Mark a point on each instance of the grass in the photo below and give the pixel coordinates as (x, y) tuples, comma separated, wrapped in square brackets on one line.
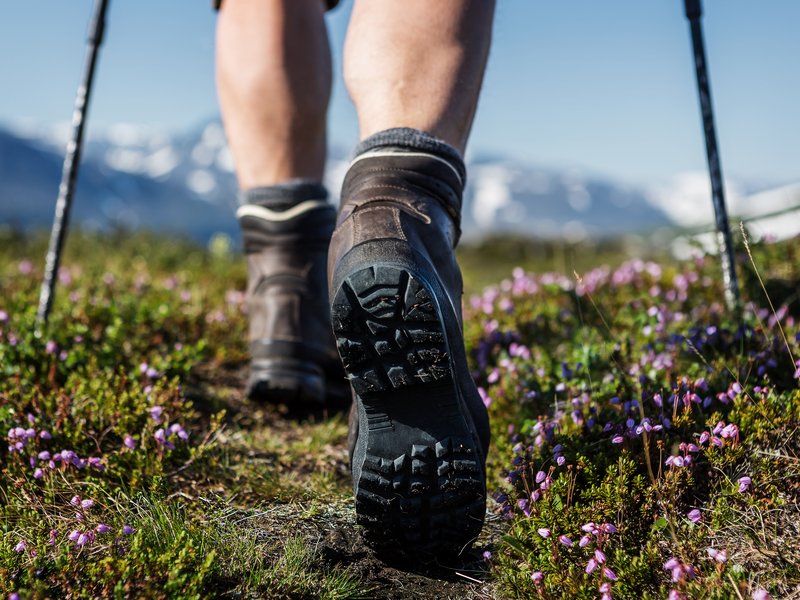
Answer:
[(629, 413)]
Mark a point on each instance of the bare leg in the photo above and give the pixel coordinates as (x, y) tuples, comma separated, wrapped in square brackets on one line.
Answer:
[(274, 80), (418, 63)]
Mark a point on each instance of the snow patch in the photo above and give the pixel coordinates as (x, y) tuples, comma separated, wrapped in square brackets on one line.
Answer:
[(162, 162), (491, 194), (201, 182)]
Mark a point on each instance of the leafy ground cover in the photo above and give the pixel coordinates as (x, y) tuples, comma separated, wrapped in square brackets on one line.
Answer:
[(645, 442)]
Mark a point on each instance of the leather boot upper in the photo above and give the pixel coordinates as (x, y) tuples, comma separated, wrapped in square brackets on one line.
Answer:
[(287, 295)]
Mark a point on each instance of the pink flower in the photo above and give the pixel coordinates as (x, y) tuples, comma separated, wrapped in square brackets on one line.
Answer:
[(87, 503), (544, 532), (565, 540), (671, 564), (76, 500), (584, 541), (694, 516), (591, 566), (744, 483), (589, 527), (537, 577), (761, 594), (540, 476), (675, 461), (129, 442), (599, 556), (609, 574), (718, 555), (20, 547), (617, 439)]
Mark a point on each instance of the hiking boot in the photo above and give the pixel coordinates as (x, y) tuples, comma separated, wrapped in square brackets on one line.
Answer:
[(293, 356), (419, 431)]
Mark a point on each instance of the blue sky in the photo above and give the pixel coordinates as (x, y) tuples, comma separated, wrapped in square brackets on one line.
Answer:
[(603, 86)]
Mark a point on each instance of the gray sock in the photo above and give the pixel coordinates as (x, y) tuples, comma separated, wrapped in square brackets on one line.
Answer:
[(284, 195), (406, 138)]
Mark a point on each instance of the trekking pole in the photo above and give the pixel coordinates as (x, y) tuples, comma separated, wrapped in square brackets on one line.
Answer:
[(69, 172), (694, 11)]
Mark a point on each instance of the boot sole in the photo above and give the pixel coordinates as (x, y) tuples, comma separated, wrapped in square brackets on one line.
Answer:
[(417, 468)]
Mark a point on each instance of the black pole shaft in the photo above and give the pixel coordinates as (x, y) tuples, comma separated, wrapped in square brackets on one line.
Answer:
[(72, 158), (694, 12)]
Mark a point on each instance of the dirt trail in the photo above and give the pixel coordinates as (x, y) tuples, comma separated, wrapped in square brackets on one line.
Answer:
[(328, 525)]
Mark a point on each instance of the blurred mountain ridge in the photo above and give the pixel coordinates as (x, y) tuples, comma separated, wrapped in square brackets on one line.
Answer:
[(184, 183)]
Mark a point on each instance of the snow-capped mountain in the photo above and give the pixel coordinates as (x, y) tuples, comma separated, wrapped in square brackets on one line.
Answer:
[(184, 183)]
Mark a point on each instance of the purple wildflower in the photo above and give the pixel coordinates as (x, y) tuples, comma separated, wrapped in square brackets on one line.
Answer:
[(155, 413), (20, 547), (591, 566), (537, 577), (718, 555), (617, 439), (609, 574), (127, 529), (565, 540), (761, 594), (38, 474), (544, 532), (161, 438), (540, 476), (744, 483), (599, 556), (103, 528), (74, 535), (584, 541), (695, 516), (129, 442)]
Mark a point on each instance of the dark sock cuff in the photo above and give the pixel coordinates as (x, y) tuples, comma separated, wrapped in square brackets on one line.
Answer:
[(414, 139), (284, 195)]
